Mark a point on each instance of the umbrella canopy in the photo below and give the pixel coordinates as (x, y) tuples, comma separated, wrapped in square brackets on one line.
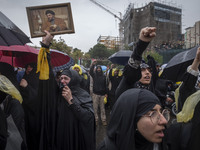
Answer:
[(178, 64), (103, 68), (60, 60), (20, 55), (10, 34), (121, 57)]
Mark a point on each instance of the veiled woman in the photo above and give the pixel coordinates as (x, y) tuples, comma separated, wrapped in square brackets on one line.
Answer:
[(76, 123), (137, 122)]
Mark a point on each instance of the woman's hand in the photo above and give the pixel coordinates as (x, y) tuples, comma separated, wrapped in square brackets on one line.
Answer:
[(67, 94), (23, 83), (147, 34), (47, 39)]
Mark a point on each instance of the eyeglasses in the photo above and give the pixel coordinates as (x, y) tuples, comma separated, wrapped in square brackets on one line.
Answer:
[(155, 115)]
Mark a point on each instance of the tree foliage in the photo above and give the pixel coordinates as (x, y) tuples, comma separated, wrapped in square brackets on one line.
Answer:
[(158, 58), (61, 46), (86, 60), (126, 47), (77, 54), (99, 51)]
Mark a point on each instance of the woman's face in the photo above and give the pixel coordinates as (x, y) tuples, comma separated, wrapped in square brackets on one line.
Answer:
[(153, 132), (65, 80), (77, 69), (29, 69), (146, 76)]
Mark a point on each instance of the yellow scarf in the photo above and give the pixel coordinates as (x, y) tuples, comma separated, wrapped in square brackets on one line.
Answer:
[(42, 64), (187, 112), (77, 66), (7, 87), (188, 108)]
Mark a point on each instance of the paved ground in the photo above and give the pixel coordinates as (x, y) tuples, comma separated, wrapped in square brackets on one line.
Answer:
[(101, 130)]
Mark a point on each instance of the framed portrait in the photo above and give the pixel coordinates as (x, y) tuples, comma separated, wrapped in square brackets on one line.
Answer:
[(56, 18)]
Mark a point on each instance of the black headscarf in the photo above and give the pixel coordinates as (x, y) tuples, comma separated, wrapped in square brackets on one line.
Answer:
[(130, 106), (74, 76), (74, 85), (8, 71), (32, 78)]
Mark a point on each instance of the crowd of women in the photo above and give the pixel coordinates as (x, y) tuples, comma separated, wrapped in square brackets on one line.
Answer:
[(39, 112)]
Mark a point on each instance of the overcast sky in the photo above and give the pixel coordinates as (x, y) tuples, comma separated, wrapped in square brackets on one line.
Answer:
[(91, 21)]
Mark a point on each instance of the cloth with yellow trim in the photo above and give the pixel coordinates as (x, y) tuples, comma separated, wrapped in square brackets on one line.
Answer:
[(46, 104)]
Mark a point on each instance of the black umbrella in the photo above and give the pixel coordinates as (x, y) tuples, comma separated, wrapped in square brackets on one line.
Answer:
[(121, 57), (10, 34), (178, 64)]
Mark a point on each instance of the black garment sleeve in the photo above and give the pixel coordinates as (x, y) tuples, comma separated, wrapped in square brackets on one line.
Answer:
[(152, 63), (101, 146), (3, 130), (111, 78), (139, 49), (92, 71), (134, 74), (87, 122), (187, 88), (81, 112), (14, 108), (131, 74), (110, 75)]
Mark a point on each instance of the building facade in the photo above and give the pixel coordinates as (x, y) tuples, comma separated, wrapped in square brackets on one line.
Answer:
[(109, 41), (166, 19), (192, 36)]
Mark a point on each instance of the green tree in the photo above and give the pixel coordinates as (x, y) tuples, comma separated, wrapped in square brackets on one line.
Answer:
[(99, 51), (61, 46), (126, 47), (86, 60), (158, 58), (77, 54)]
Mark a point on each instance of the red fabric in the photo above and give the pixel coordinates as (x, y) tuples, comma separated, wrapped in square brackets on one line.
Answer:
[(20, 55)]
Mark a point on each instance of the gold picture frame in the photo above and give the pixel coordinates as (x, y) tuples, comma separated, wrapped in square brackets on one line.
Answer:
[(56, 18)]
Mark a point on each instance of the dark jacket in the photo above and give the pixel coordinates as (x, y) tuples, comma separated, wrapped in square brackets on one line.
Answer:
[(161, 89), (3, 130), (11, 106), (99, 81), (14, 108), (115, 80), (186, 89)]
